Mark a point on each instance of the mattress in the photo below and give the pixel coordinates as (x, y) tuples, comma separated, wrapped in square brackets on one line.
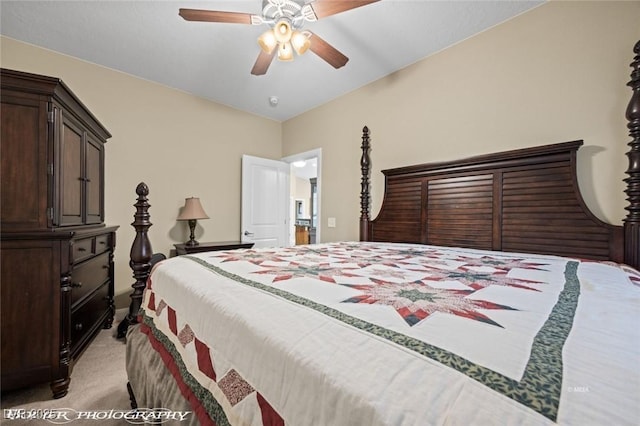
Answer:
[(359, 333)]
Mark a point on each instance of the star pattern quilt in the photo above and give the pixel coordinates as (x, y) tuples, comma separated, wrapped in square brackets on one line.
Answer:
[(397, 334)]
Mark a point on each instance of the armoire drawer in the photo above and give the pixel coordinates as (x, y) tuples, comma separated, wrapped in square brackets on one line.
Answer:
[(102, 243), (87, 276), (84, 248), (84, 318)]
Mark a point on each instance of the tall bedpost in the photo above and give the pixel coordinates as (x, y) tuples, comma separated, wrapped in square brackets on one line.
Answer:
[(365, 163), (632, 221), (140, 257)]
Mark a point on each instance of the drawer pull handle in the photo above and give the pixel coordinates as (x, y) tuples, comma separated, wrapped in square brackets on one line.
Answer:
[(82, 249), (76, 285), (78, 327), (103, 242), (105, 266)]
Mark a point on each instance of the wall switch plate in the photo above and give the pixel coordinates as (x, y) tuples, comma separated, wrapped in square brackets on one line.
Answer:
[(331, 222)]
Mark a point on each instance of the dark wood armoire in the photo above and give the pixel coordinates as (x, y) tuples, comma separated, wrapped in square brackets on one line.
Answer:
[(56, 254)]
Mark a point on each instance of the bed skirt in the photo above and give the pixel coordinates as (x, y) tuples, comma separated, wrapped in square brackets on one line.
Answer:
[(151, 382)]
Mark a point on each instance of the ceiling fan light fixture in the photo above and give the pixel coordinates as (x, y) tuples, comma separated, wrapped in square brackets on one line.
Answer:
[(300, 42), (267, 41), (285, 19), (282, 31), (285, 52)]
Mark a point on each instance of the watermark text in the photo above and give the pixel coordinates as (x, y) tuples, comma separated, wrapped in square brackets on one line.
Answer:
[(68, 415)]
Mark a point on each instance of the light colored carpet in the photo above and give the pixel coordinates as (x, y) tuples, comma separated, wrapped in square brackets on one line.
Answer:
[(98, 382)]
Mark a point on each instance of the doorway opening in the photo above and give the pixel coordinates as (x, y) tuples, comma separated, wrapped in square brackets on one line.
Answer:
[(305, 186)]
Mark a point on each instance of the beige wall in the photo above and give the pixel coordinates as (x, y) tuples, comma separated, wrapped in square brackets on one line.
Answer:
[(554, 74), (180, 145), (303, 192)]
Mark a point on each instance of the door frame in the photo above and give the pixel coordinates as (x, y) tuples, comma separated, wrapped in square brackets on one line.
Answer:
[(317, 154)]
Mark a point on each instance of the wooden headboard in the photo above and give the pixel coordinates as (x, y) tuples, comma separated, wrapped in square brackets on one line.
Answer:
[(524, 200)]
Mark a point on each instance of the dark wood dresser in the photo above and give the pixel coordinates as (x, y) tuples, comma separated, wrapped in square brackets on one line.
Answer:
[(56, 256)]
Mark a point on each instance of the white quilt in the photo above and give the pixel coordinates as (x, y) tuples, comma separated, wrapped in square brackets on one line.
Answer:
[(400, 334)]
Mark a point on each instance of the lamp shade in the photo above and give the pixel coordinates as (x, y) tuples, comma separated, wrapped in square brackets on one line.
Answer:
[(192, 210)]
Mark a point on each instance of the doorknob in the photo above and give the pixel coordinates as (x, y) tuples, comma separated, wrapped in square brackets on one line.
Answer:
[(248, 234)]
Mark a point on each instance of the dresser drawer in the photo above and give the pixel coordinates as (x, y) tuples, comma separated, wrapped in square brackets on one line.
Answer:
[(82, 249), (102, 243), (86, 277), (83, 320)]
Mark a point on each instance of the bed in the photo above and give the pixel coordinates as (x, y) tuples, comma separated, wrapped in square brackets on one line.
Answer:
[(484, 292)]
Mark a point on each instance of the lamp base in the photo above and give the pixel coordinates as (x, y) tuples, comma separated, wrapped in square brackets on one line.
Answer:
[(192, 228), (191, 243)]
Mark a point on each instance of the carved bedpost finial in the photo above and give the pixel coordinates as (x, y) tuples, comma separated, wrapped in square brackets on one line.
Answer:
[(632, 221), (142, 190), (365, 163), (140, 257)]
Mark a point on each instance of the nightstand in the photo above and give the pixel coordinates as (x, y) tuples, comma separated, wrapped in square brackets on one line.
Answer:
[(214, 246)]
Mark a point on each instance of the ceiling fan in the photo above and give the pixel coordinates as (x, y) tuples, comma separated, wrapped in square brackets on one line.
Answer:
[(286, 19)]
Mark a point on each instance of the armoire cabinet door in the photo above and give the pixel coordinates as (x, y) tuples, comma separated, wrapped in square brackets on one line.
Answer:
[(94, 173), (23, 141), (70, 173), (31, 296), (80, 174)]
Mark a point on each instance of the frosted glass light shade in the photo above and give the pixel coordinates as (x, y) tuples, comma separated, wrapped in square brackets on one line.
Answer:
[(300, 42), (282, 31), (285, 52), (267, 41)]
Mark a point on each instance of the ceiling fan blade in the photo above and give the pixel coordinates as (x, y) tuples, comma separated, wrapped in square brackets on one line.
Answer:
[(215, 16), (324, 8), (327, 52), (262, 63)]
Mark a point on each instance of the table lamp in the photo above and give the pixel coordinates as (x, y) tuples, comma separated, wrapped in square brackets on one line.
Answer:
[(192, 211)]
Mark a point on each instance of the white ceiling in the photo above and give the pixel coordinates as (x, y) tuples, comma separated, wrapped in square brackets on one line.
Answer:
[(307, 170), (148, 39)]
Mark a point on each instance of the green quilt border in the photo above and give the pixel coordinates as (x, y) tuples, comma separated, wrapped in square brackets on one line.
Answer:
[(541, 384)]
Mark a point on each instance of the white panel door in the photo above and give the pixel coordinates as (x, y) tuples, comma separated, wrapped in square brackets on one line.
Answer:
[(265, 202)]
